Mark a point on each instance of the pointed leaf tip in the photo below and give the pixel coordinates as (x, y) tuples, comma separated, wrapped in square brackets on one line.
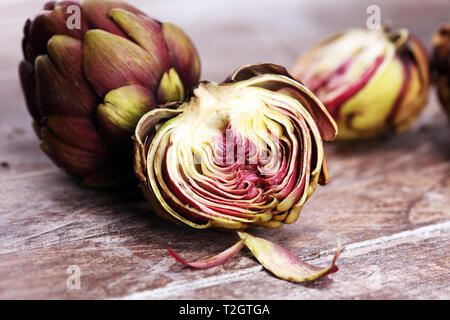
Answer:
[(284, 264), (210, 262), (170, 87)]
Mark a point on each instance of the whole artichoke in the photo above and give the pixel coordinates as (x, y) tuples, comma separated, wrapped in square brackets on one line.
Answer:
[(87, 87), (247, 152), (371, 81), (440, 65)]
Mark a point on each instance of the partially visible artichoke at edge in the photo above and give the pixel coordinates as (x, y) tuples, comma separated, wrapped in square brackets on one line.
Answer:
[(440, 65), (371, 81), (244, 153), (87, 88)]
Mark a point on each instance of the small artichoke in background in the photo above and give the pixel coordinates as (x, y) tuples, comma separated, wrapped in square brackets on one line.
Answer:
[(244, 153), (371, 81), (440, 65), (87, 87)]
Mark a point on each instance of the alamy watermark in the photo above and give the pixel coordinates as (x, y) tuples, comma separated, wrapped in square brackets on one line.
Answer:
[(73, 22), (373, 22), (73, 282)]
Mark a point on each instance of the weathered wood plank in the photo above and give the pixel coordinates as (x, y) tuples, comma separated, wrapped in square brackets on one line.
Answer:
[(408, 265), (412, 264)]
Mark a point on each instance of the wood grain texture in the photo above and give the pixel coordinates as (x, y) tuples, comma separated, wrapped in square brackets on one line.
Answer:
[(399, 266), (388, 200)]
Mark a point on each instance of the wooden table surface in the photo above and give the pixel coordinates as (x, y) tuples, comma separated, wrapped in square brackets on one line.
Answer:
[(388, 200)]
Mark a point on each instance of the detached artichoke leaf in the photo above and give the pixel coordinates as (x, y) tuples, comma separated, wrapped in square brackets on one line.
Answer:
[(213, 261), (284, 264), (276, 259)]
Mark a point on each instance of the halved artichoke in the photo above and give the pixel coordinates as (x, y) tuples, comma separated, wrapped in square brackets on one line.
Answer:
[(247, 152), (244, 153)]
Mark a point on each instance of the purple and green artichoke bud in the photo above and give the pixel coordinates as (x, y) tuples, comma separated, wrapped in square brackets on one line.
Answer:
[(371, 81), (87, 86), (247, 152), (440, 65), (244, 153)]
